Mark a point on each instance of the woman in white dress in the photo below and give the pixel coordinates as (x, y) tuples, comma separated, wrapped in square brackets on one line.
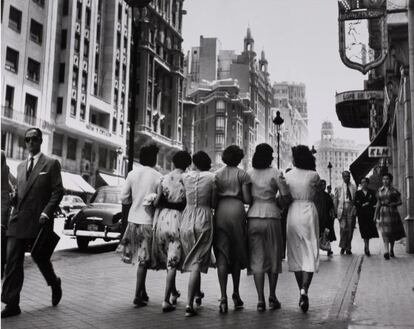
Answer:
[(302, 221)]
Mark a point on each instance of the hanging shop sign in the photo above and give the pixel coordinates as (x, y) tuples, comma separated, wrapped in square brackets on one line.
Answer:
[(379, 152), (363, 39)]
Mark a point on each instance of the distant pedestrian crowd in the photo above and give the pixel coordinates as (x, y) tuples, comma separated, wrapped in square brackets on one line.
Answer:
[(191, 220)]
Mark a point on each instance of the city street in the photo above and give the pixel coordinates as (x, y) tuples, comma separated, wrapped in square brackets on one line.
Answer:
[(348, 292)]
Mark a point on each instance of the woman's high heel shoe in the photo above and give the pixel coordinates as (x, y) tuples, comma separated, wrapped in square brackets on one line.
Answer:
[(304, 303), (261, 306), (189, 311), (174, 297), (274, 303), (199, 299), (167, 307), (238, 303), (223, 307)]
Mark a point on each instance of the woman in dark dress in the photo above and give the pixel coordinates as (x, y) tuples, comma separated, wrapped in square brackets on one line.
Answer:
[(230, 240), (365, 202)]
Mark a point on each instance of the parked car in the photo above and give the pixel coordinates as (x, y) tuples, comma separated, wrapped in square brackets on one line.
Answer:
[(71, 203), (100, 219)]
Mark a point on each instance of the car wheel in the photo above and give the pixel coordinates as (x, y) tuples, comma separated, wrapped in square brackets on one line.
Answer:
[(82, 242)]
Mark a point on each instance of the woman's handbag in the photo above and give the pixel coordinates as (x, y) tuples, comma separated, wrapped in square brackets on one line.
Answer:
[(324, 242)]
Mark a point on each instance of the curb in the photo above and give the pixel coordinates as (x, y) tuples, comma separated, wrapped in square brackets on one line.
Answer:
[(344, 299)]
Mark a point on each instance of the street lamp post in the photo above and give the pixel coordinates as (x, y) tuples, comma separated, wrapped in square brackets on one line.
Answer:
[(136, 39), (313, 150), (330, 173), (278, 121)]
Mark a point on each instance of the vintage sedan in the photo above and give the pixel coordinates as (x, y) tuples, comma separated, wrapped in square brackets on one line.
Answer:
[(71, 203), (100, 219)]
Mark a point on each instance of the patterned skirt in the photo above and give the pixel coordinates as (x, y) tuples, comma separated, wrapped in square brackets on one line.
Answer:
[(136, 244), (391, 225)]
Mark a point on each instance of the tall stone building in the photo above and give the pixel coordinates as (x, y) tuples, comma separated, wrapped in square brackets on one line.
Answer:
[(65, 70), (160, 84), (341, 153), (211, 68)]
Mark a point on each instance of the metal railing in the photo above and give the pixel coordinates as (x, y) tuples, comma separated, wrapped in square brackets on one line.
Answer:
[(22, 118)]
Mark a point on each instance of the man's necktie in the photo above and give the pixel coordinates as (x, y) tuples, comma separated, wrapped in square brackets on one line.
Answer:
[(348, 193), (29, 170)]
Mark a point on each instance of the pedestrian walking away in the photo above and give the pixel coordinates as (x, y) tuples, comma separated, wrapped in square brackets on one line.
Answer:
[(166, 245), (264, 229), (230, 241), (386, 212), (302, 221), (365, 202), (196, 230), (345, 209), (5, 208), (39, 191), (325, 207), (139, 192)]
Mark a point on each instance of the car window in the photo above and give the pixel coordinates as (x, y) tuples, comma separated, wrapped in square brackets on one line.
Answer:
[(107, 196), (77, 199)]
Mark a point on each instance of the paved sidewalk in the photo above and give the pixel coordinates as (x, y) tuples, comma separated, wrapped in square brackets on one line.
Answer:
[(98, 290)]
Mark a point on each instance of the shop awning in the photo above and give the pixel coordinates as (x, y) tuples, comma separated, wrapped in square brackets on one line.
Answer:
[(75, 183), (364, 163), (112, 180), (353, 107)]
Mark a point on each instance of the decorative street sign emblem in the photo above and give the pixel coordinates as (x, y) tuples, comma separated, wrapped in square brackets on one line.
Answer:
[(363, 39)]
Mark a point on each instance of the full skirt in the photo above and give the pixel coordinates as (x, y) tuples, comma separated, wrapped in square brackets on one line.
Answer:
[(391, 225)]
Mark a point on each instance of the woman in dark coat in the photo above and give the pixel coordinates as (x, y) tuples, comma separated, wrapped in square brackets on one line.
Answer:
[(365, 202), (325, 207)]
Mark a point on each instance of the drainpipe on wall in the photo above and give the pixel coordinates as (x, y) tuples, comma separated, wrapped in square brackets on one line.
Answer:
[(408, 133)]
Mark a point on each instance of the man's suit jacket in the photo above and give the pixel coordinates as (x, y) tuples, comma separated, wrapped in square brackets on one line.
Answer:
[(339, 198), (41, 193)]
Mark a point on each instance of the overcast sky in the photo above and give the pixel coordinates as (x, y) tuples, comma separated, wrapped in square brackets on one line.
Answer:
[(300, 38)]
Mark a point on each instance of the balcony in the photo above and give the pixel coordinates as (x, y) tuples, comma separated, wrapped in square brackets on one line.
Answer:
[(158, 138), (21, 118), (353, 107)]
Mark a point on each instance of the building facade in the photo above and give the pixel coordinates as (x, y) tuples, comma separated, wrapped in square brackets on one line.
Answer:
[(160, 84), (68, 61), (341, 153), (389, 115)]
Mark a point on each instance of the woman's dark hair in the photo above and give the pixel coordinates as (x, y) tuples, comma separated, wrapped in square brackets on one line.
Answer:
[(181, 160), (263, 156), (232, 155), (148, 155), (389, 175), (303, 158), (365, 179), (202, 161)]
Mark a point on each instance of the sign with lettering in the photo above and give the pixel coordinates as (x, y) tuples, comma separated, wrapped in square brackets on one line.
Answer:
[(98, 130), (379, 152), (359, 95)]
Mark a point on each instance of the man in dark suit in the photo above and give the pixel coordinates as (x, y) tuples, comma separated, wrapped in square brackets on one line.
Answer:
[(39, 191)]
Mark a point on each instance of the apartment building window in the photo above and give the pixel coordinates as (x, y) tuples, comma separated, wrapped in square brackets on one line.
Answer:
[(220, 122), (116, 69), (125, 44), (103, 154), (63, 39), (119, 12), (86, 49), (71, 148), (73, 108), (78, 10), (65, 10), (220, 106), (114, 125), (82, 112), (219, 139), (36, 31), (115, 97), (75, 77), (33, 70), (61, 72), (15, 19), (77, 42), (122, 100), (30, 109), (9, 97), (118, 40), (84, 81), (121, 126), (12, 60), (57, 144), (96, 63), (124, 70), (59, 105), (88, 17), (113, 157)]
